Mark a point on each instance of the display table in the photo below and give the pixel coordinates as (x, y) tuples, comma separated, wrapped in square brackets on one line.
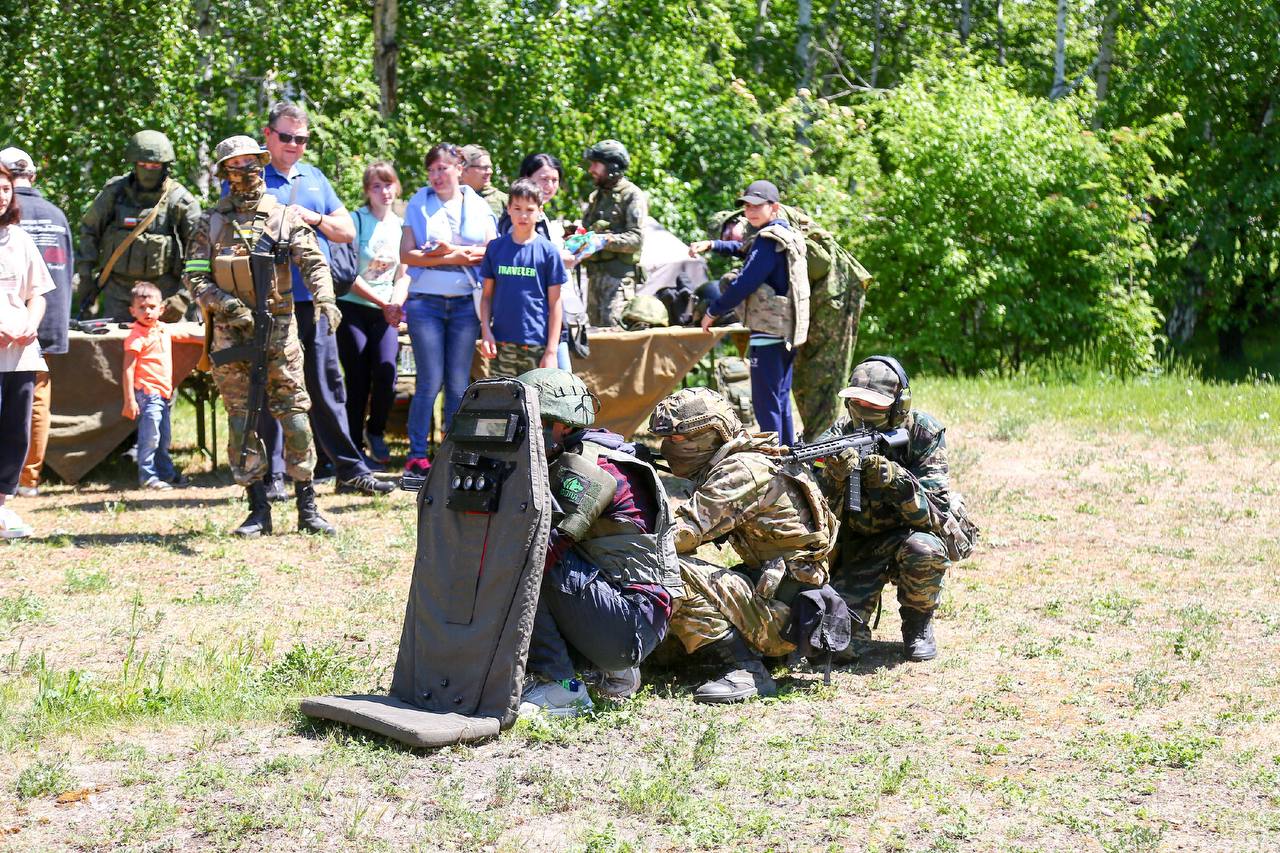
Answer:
[(86, 423)]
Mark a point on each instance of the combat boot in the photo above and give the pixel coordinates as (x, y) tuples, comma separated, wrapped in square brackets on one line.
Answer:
[(917, 635), (259, 520), (309, 518), (745, 677)]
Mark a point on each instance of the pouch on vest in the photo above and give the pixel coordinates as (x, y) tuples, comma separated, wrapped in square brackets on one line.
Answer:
[(232, 273), (484, 515), (582, 491)]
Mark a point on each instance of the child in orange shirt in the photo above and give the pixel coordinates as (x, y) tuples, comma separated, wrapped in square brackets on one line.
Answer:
[(148, 388)]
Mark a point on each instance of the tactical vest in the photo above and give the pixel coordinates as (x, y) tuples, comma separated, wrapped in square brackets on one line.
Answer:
[(622, 553), (610, 205), (786, 317), (153, 253), (232, 239)]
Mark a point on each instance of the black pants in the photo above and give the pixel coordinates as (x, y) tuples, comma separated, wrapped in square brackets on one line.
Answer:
[(328, 413), (581, 612), (367, 348), (17, 389)]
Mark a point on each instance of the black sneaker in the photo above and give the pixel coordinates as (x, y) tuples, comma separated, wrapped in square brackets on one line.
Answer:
[(365, 484), (180, 481)]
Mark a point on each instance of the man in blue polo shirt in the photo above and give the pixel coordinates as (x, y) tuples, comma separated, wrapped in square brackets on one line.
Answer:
[(307, 189)]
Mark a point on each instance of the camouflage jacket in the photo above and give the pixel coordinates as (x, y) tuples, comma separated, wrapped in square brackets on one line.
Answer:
[(619, 212), (765, 509), (118, 208), (919, 497), (496, 198), (305, 254)]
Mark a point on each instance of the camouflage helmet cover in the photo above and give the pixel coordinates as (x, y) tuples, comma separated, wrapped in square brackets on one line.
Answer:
[(234, 146), (645, 312), (612, 153), (149, 146), (562, 396), (690, 411), (877, 385)]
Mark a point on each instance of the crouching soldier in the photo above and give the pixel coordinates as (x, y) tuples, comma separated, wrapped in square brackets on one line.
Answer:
[(772, 514), (219, 276), (911, 525), (611, 575)]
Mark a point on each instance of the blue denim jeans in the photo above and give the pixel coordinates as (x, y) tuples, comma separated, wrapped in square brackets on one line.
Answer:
[(153, 437), (443, 331)]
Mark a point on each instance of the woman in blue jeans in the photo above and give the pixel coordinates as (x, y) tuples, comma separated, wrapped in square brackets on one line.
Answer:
[(446, 227)]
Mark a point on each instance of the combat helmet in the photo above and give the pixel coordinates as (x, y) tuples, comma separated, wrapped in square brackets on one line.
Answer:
[(645, 312), (562, 396), (612, 153), (234, 146), (690, 411), (880, 383), (149, 146)]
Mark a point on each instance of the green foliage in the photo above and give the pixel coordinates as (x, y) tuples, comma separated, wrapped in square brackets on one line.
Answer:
[(1007, 231), (43, 779)]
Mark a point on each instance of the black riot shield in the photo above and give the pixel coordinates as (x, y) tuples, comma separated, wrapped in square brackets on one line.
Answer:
[(483, 520)]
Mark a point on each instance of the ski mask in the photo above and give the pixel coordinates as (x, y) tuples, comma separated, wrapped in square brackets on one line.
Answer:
[(690, 456), (150, 179)]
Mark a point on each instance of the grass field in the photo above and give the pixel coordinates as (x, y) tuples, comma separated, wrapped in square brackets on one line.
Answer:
[(1109, 674)]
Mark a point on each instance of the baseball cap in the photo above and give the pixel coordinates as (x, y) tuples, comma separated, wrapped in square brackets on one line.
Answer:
[(760, 192), (471, 154), (17, 161), (873, 383)]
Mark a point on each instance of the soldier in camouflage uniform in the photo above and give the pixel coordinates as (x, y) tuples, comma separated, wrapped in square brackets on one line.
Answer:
[(616, 208), (155, 254), (911, 525), (477, 173), (218, 275), (774, 516)]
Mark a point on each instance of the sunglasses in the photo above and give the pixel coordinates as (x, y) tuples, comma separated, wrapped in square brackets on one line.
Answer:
[(287, 138)]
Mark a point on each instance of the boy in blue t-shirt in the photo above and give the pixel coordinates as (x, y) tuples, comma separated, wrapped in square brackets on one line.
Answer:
[(520, 315)]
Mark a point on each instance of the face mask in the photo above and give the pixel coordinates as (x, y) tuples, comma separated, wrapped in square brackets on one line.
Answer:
[(245, 181), (148, 179), (873, 418), (690, 456)]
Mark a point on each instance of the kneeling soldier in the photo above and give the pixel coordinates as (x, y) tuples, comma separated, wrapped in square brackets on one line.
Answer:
[(219, 276), (773, 515), (611, 573)]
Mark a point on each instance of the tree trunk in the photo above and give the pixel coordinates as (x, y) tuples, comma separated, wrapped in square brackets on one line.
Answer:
[(1000, 58), (386, 51), (804, 39), (1060, 54), (966, 20), (877, 45), (1106, 54), (757, 46)]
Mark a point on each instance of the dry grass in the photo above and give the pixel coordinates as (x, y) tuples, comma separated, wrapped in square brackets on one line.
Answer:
[(1108, 678)]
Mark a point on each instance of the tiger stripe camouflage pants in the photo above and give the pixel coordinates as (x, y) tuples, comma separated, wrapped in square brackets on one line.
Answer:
[(913, 560)]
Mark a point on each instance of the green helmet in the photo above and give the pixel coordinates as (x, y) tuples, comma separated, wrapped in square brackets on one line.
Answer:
[(149, 146), (717, 222), (612, 153), (234, 146), (645, 312), (690, 411), (562, 396)]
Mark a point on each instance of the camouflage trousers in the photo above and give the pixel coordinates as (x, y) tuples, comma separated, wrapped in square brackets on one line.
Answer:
[(608, 294), (514, 359), (911, 559), (287, 400), (717, 599)]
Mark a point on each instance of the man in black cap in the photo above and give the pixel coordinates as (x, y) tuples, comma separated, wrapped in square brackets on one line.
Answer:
[(774, 283)]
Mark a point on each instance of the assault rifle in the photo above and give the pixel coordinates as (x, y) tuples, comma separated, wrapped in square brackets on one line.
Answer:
[(864, 442), (262, 263)]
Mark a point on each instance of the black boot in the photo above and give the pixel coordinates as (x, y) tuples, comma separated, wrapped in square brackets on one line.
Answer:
[(917, 635), (276, 491), (745, 674), (259, 520), (309, 518)]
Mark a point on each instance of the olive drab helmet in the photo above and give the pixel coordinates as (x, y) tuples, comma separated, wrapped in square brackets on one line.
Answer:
[(562, 396), (878, 384), (690, 411), (149, 146), (645, 312), (612, 153), (234, 146)]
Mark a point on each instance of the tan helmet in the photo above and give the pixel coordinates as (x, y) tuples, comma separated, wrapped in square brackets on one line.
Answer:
[(645, 312), (690, 411), (234, 146)]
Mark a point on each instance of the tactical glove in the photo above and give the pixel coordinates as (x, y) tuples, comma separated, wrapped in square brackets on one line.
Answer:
[(236, 315), (174, 308), (878, 472), (330, 312), (842, 464)]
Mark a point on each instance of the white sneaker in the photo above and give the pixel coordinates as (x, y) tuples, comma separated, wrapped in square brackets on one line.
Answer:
[(13, 527), (156, 484), (615, 684), (555, 698), (28, 491)]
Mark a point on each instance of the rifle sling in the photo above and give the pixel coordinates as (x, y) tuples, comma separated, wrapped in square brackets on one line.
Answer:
[(133, 235)]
